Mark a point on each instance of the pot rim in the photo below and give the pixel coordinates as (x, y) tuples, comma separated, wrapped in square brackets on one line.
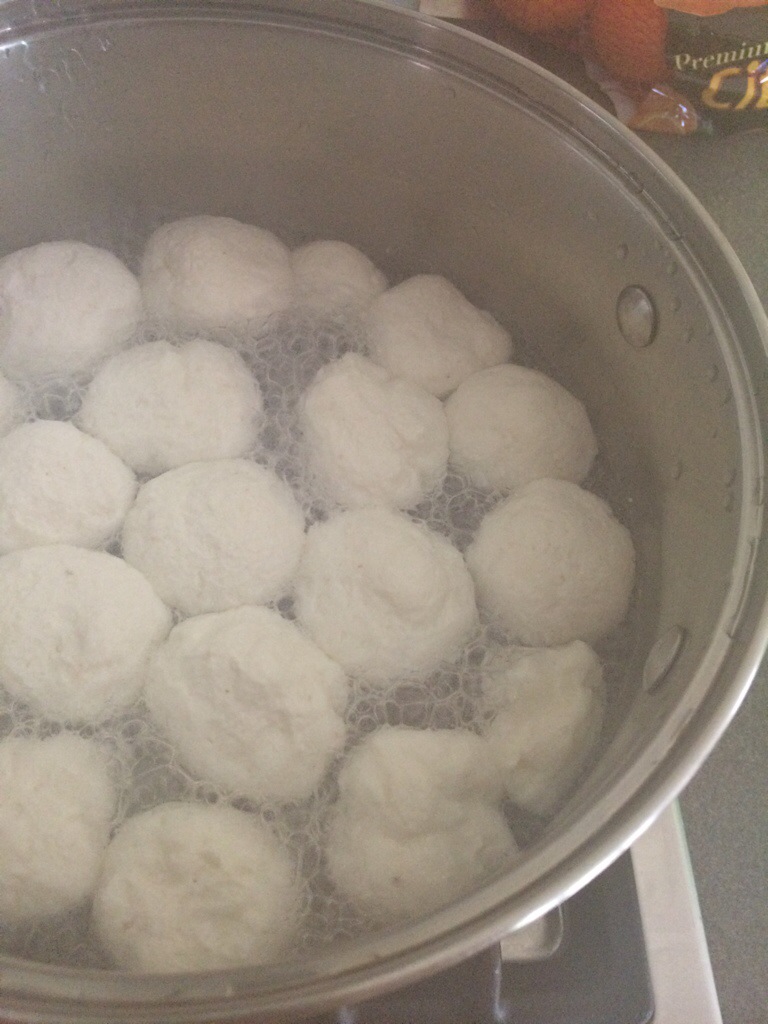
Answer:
[(543, 878)]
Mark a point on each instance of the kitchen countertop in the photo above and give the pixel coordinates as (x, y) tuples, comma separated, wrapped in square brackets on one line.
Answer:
[(725, 807)]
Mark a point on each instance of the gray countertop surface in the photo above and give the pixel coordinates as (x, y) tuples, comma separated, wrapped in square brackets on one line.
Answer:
[(725, 807)]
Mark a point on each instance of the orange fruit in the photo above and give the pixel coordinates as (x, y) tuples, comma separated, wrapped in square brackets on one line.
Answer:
[(543, 16), (628, 38)]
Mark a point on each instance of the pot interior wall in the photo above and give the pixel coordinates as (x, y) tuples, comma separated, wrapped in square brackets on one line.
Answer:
[(111, 127)]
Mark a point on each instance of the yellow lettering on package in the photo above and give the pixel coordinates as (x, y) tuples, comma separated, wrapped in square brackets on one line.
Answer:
[(709, 96)]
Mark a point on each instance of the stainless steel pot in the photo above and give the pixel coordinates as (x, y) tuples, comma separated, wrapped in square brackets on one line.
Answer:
[(433, 151)]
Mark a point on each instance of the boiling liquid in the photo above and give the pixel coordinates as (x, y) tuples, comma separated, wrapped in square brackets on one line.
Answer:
[(284, 359)]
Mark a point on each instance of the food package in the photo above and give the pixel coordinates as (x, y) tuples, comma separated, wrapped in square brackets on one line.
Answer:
[(674, 66)]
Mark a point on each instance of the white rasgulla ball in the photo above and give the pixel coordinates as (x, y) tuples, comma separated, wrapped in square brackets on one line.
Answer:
[(77, 628), (384, 596), (548, 706), (409, 781), (60, 486), (249, 703), (370, 438), (508, 425), (196, 887), (208, 272), (392, 878), (215, 535), (57, 801), (551, 564), (63, 307), (416, 824), (12, 406), (425, 330), (159, 405), (334, 277)]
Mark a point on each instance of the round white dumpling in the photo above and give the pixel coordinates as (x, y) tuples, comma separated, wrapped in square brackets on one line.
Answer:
[(215, 535), (159, 405), (410, 781), (208, 272), (416, 824), (384, 596), (509, 425), (334, 277), (12, 406), (551, 564), (60, 486), (370, 438), (391, 878), (57, 802), (63, 307), (548, 706), (249, 703), (195, 887), (77, 628), (425, 330)]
